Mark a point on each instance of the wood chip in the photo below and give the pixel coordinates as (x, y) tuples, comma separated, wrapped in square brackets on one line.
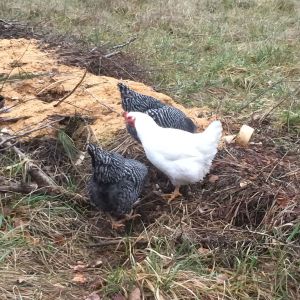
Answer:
[(229, 139), (213, 178), (93, 296), (222, 278), (79, 278), (135, 294), (244, 135)]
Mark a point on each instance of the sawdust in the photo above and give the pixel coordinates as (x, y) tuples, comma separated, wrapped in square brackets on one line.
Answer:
[(37, 81)]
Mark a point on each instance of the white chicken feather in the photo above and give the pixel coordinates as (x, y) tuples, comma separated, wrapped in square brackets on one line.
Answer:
[(183, 156)]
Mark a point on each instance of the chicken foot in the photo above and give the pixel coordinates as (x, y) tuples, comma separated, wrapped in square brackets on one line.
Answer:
[(120, 223), (172, 196)]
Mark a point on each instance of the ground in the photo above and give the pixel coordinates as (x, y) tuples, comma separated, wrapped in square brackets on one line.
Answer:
[(233, 236)]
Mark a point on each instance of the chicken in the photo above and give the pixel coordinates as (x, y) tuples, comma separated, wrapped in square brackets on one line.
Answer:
[(183, 156), (164, 115), (116, 183)]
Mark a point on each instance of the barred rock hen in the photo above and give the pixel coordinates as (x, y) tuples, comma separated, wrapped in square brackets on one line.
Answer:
[(183, 156), (116, 183), (164, 115)]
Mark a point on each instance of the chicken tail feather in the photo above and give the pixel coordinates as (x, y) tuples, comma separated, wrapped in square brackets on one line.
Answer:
[(124, 89), (213, 132)]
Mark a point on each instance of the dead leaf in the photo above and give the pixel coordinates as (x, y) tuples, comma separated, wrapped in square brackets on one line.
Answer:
[(30, 239), (58, 285), (213, 178), (135, 294), (282, 201), (229, 139), (79, 278), (21, 280), (203, 251), (19, 223), (93, 296), (118, 297), (80, 268), (97, 263), (222, 278), (59, 240), (244, 183)]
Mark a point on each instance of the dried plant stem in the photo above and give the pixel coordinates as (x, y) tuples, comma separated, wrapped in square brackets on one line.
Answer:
[(16, 187), (260, 95), (73, 90), (22, 134)]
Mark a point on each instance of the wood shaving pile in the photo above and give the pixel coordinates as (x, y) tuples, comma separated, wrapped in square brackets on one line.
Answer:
[(37, 81)]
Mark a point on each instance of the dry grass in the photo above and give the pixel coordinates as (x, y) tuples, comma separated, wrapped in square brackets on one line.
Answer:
[(219, 54), (235, 238)]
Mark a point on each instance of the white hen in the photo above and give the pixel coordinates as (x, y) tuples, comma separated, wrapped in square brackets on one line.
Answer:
[(183, 156)]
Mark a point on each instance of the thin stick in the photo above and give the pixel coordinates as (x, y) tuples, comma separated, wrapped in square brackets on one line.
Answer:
[(71, 92), (259, 95), (18, 60), (111, 54), (116, 242), (41, 178), (125, 44), (16, 187), (2, 21), (43, 181), (51, 85), (270, 110), (13, 137)]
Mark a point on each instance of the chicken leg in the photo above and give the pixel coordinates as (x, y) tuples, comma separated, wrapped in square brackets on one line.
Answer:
[(120, 223), (172, 196)]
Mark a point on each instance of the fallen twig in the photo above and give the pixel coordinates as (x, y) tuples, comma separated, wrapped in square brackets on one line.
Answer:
[(44, 182), (118, 242), (259, 95), (72, 91), (22, 134), (16, 187), (17, 61), (124, 44), (38, 175), (111, 54), (51, 85), (271, 109)]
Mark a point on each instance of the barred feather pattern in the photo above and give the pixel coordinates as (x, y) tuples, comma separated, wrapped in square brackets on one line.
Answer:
[(171, 117), (116, 182), (133, 101), (164, 115)]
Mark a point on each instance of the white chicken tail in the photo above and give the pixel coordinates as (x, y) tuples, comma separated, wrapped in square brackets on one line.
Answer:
[(212, 135), (214, 129)]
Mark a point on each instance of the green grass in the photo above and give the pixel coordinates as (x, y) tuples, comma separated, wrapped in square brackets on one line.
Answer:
[(187, 46)]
